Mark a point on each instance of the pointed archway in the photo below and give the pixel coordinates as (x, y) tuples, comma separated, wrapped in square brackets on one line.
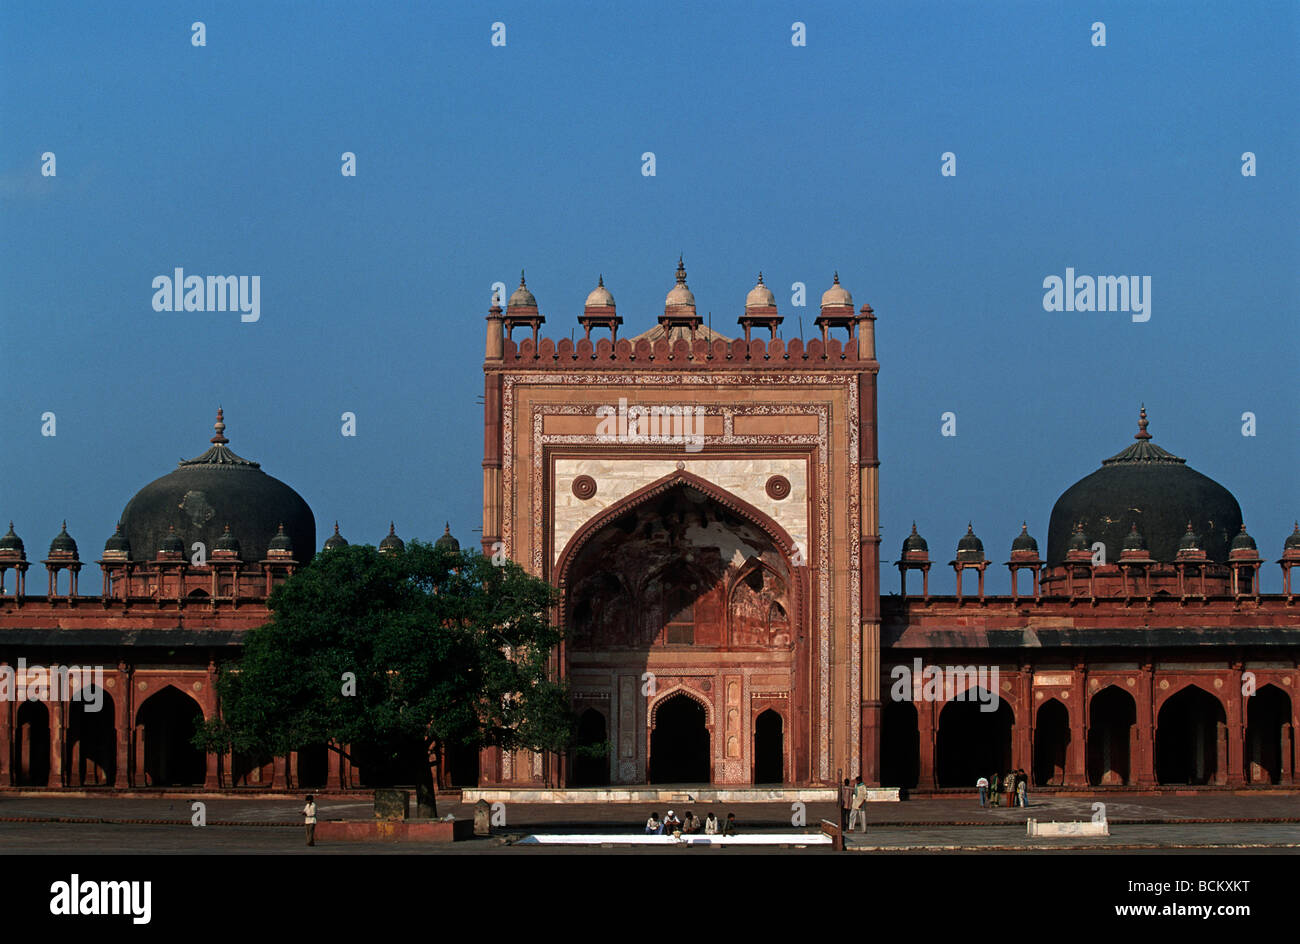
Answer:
[(769, 748), (900, 745), (1051, 744), (168, 720), (973, 743), (32, 744), (679, 742), (1191, 739), (92, 740), (1111, 734), (1268, 736)]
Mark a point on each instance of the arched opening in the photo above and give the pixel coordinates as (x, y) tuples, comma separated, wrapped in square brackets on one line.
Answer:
[(168, 721), (679, 743), (1051, 744), (1190, 734), (32, 747), (252, 770), (590, 758), (1110, 737), (313, 766), (461, 763), (1268, 718), (196, 595), (769, 748), (92, 740), (900, 745), (971, 742)]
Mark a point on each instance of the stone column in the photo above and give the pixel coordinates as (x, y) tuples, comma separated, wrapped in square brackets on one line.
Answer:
[(333, 771), (6, 743), (925, 747), (1144, 751), (1076, 760), (277, 772), (141, 777), (1221, 753), (1288, 748), (57, 742), (122, 724), (1236, 743)]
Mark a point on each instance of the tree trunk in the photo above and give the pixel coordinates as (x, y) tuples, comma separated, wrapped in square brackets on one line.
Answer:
[(426, 794)]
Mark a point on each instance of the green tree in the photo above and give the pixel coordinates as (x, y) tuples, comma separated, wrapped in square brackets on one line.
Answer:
[(398, 655)]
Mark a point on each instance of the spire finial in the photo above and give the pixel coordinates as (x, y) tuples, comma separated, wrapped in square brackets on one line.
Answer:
[(600, 280), (837, 277), (336, 527), (760, 276), (447, 529), (1142, 425), (521, 279), (220, 427), (391, 529), (681, 271)]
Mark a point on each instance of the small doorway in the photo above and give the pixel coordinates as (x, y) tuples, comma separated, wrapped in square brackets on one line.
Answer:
[(679, 743), (769, 748)]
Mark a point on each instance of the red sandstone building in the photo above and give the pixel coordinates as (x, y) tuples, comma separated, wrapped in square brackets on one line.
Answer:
[(708, 508)]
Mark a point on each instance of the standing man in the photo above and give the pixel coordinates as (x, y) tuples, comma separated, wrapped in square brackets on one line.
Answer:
[(983, 784), (846, 797), (309, 814), (859, 800)]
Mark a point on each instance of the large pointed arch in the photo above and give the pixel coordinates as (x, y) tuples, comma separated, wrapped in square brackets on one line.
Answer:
[(677, 479)]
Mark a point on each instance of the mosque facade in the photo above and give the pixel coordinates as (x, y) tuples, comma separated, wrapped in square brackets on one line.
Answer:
[(708, 508)]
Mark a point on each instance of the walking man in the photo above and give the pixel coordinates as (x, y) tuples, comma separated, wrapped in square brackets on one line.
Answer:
[(859, 800), (309, 814)]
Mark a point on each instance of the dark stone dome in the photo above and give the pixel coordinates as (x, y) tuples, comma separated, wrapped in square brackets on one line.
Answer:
[(1078, 540), (1243, 541), (914, 542), (1191, 540), (1154, 490), (335, 540), (12, 542), (1292, 539), (117, 543), (171, 543), (1024, 541), (201, 496), (447, 542), (227, 542), (1134, 541), (970, 548), (392, 543), (63, 543)]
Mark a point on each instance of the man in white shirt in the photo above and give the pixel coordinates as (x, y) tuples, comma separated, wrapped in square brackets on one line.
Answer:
[(983, 784), (309, 812)]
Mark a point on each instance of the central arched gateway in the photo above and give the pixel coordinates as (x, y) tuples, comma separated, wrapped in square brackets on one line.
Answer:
[(683, 587)]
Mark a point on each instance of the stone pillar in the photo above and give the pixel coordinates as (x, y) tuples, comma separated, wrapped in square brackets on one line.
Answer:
[(1076, 760), (925, 746), (1144, 750), (211, 772), (122, 723), (333, 771), (141, 777), (291, 771), (277, 772), (1236, 714), (6, 743), (57, 742), (1022, 738), (1221, 753), (1288, 755)]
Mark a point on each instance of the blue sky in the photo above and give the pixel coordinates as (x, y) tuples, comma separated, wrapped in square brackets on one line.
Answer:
[(474, 161)]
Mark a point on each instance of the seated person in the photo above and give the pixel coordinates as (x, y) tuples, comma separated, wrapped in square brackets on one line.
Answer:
[(691, 823), (711, 825), (730, 828), (652, 826), (672, 824)]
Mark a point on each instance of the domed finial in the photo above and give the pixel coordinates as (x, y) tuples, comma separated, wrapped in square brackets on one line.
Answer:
[(336, 527), (681, 271), (970, 528), (914, 527), (447, 529), (1142, 425), (521, 278), (837, 277), (760, 277), (600, 281), (220, 427)]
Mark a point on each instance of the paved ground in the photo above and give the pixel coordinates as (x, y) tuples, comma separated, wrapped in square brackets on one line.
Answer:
[(1209, 822)]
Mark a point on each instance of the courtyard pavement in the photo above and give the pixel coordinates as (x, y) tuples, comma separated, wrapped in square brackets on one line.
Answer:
[(1225, 822)]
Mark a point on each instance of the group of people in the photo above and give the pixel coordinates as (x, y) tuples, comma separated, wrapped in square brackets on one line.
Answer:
[(670, 825), (1014, 787)]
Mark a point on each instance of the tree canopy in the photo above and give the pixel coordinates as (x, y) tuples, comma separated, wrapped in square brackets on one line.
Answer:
[(397, 654)]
